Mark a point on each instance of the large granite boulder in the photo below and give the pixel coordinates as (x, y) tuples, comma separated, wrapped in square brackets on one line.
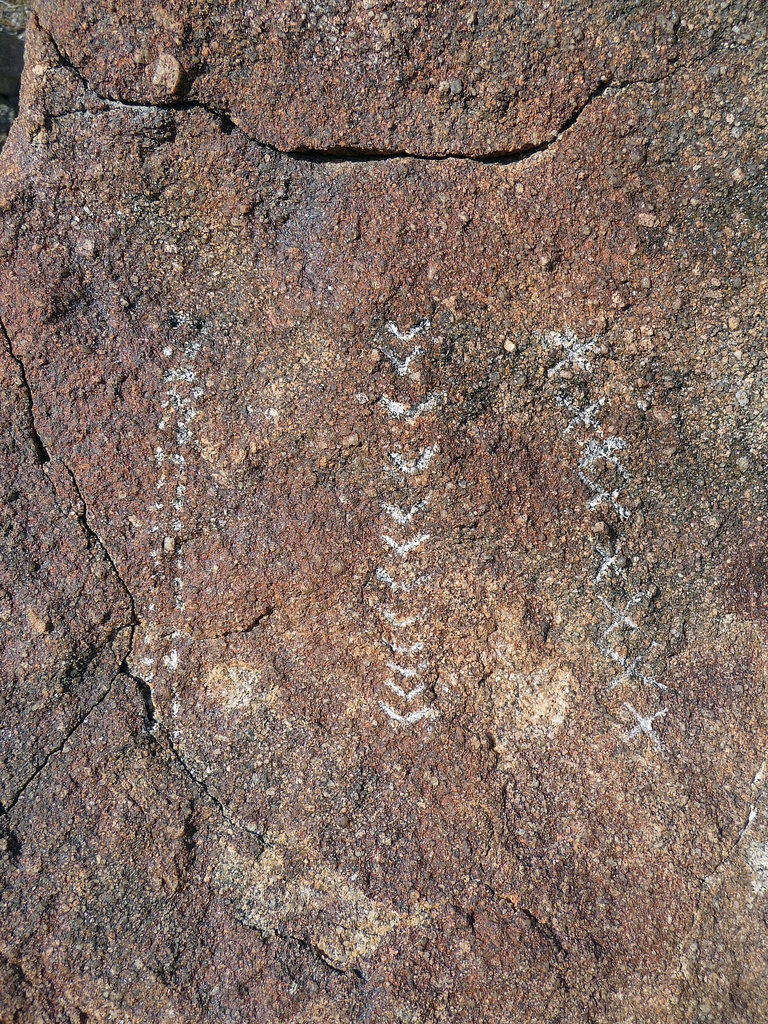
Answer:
[(383, 592)]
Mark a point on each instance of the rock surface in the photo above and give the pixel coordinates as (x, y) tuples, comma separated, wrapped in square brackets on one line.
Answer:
[(384, 579)]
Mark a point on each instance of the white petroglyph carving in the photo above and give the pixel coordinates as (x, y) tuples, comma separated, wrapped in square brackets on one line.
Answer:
[(602, 496), (409, 468), (404, 549), (402, 517), (406, 588), (399, 649), (411, 413), (392, 619), (576, 351), (410, 334), (644, 725), (609, 563), (586, 417), (410, 719), (596, 451), (405, 672), (180, 396), (402, 364), (620, 617), (405, 466), (631, 670), (407, 695)]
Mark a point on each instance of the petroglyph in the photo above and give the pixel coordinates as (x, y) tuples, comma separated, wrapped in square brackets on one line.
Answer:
[(411, 413), (602, 496), (179, 407), (405, 466), (400, 364), (594, 451), (631, 669), (409, 468), (620, 617), (610, 563), (598, 460), (644, 725), (399, 649), (393, 620), (586, 417), (407, 695), (404, 549), (412, 718), (576, 351), (401, 517), (407, 673), (394, 585), (410, 334)]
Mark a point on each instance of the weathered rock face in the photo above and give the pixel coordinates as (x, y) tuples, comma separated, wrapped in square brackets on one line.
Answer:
[(426, 77), (384, 600)]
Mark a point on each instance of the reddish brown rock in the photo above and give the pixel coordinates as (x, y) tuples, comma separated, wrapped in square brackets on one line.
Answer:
[(436, 489), (423, 77)]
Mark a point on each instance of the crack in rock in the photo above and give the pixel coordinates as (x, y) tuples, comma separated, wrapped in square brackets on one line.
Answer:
[(354, 154), (5, 810)]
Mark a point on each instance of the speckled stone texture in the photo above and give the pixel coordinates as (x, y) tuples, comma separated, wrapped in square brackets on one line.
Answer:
[(383, 594)]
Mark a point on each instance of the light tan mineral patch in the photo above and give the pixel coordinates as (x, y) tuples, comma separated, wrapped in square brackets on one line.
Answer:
[(341, 922)]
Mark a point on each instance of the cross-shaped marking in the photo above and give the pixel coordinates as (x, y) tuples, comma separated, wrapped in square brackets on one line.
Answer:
[(644, 725), (631, 669), (600, 495), (609, 562), (594, 450), (586, 416), (620, 616), (575, 351)]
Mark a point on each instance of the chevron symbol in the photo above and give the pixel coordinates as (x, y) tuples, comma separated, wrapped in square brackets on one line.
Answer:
[(409, 468), (409, 335), (403, 550), (406, 695), (383, 577), (407, 673), (400, 515), (411, 413), (396, 649), (415, 716)]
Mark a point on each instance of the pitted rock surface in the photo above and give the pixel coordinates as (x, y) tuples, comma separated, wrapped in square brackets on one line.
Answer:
[(384, 597), (422, 77)]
